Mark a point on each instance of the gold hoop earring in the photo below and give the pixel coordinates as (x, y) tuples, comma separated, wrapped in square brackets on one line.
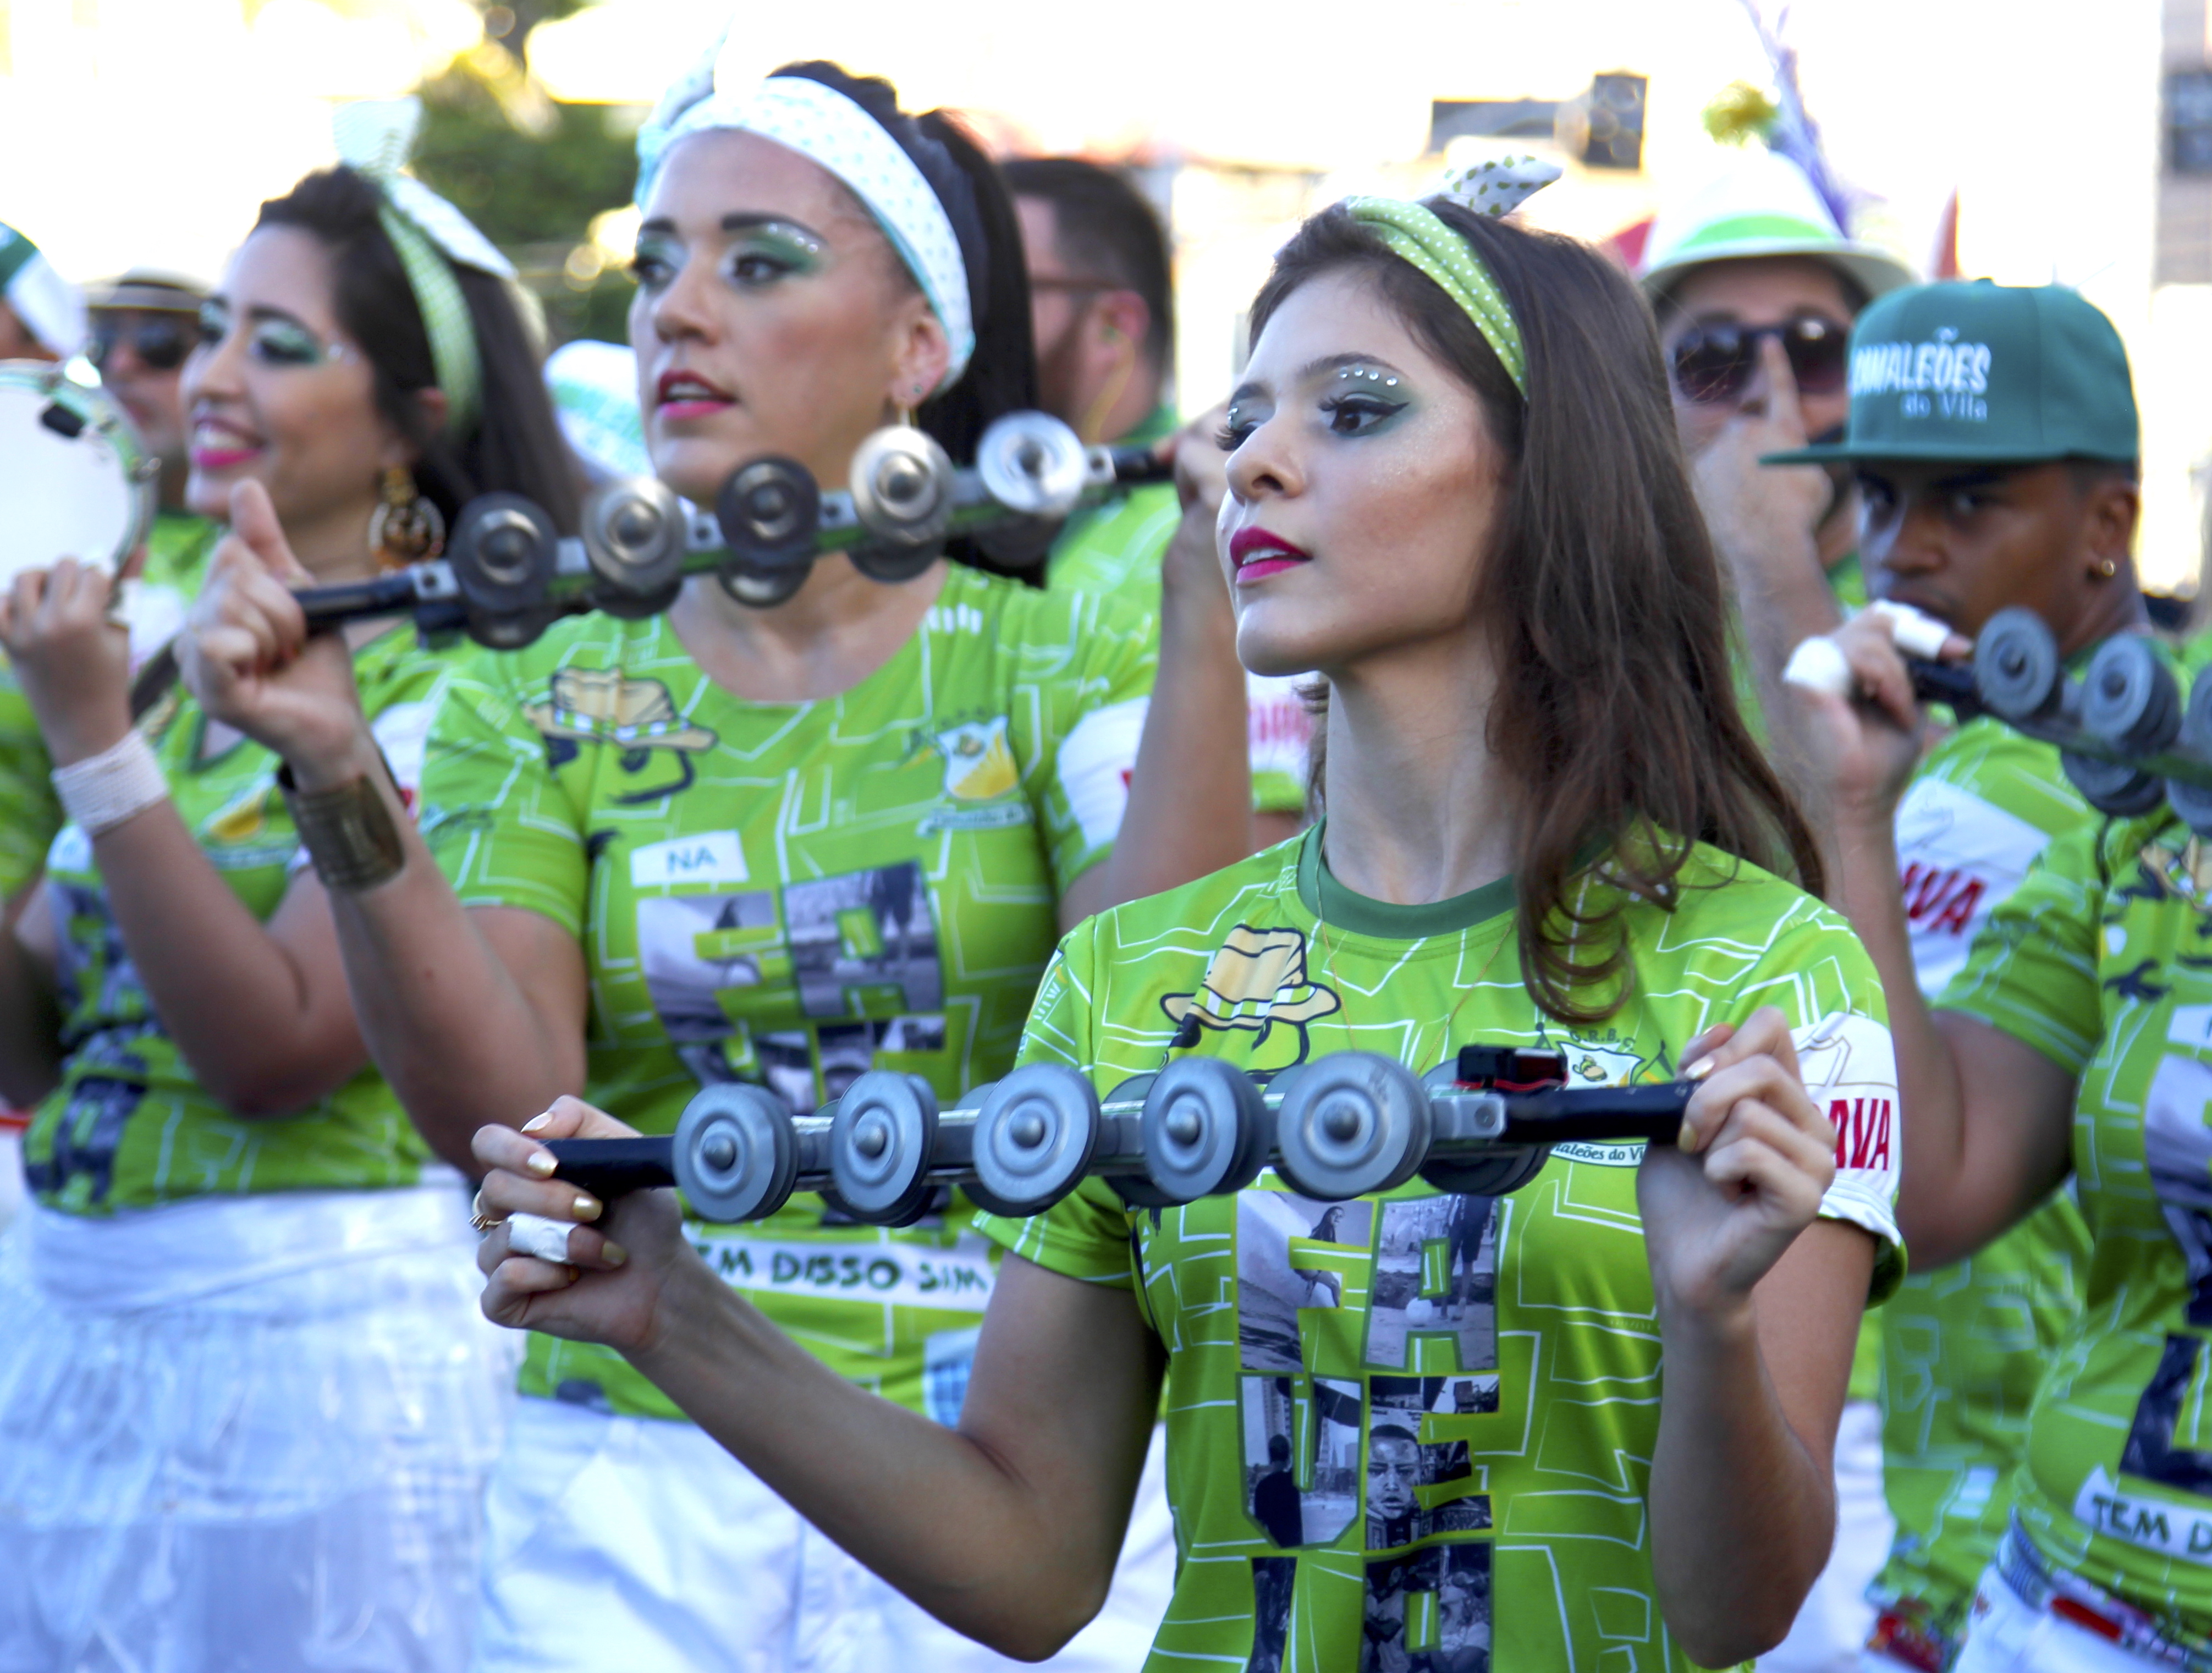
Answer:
[(407, 527)]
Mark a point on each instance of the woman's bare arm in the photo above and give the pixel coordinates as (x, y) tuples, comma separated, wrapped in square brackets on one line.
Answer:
[(1007, 1528), (1988, 1120), (30, 1016)]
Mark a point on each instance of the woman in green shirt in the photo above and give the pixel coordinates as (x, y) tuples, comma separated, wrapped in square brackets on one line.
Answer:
[(247, 1402), (1585, 1424), (781, 843)]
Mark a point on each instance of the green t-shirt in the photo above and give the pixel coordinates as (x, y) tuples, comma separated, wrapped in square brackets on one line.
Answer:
[(128, 1127), (1489, 1369), (792, 894), (1113, 549), (1963, 1346), (177, 550), (2098, 961)]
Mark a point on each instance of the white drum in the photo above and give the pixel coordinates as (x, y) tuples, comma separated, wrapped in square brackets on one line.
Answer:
[(75, 479)]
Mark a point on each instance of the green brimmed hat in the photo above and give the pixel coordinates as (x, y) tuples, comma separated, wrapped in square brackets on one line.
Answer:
[(1988, 372), (1760, 205)]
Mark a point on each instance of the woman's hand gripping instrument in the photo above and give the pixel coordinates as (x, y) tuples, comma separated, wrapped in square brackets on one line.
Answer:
[(2126, 737), (1344, 1125), (509, 573)]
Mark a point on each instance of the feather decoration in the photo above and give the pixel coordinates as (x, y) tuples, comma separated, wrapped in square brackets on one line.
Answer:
[(1793, 133)]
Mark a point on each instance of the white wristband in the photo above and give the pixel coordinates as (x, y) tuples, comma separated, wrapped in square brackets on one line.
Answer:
[(102, 791)]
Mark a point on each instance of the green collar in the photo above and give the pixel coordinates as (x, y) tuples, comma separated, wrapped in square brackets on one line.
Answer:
[(1333, 903)]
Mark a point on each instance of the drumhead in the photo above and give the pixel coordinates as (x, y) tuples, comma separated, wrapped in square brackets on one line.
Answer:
[(66, 495)]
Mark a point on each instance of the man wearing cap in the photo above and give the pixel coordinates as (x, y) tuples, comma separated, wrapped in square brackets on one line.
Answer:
[(144, 324), (41, 316), (1993, 439), (1755, 286), (1101, 297)]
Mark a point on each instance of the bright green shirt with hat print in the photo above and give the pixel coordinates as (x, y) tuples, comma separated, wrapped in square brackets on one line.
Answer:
[(792, 894), (2098, 961), (130, 1126), (1468, 1387), (1964, 1346)]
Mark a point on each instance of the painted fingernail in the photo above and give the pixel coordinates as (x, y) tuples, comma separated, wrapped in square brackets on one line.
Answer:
[(541, 1162), (586, 1208), (536, 1121), (1687, 1140), (613, 1253), (1700, 1069)]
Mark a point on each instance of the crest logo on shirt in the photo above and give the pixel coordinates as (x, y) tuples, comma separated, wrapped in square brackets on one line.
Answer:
[(979, 761), (636, 716), (1256, 985)]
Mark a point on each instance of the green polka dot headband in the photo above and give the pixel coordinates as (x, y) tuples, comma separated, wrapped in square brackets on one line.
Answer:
[(1414, 233), (374, 138)]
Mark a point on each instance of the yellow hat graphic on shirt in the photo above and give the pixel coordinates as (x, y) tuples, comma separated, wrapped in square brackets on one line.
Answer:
[(1255, 979), (245, 818), (600, 706), (979, 761)]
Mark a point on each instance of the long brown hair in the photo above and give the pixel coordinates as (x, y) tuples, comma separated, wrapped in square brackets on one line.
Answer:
[(1614, 707)]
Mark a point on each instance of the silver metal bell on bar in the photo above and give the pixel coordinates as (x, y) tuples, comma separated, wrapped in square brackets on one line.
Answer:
[(2191, 801), (635, 536), (882, 1141), (1035, 1138), (737, 1152), (1206, 1129), (1032, 463), (1350, 1123), (902, 487)]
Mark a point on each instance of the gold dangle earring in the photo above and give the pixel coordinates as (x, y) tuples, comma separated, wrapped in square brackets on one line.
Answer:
[(407, 527)]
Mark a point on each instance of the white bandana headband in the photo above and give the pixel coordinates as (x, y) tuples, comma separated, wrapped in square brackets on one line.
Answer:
[(825, 127), (374, 138)]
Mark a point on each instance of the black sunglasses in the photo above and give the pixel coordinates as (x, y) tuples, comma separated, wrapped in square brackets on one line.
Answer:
[(1715, 363), (161, 341)]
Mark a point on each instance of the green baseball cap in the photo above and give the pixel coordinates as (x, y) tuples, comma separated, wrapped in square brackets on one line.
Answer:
[(1983, 372)]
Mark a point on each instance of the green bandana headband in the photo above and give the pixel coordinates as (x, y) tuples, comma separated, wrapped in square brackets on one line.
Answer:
[(429, 236), (1414, 233)]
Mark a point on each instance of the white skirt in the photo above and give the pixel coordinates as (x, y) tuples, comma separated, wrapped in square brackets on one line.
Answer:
[(638, 1543), (246, 1433)]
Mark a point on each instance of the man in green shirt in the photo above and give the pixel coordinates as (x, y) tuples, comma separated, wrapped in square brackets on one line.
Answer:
[(1993, 435), (1101, 295), (1755, 285)]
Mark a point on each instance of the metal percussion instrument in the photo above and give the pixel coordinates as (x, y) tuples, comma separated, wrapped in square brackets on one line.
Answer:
[(509, 573), (2126, 739), (1347, 1124), (76, 478)]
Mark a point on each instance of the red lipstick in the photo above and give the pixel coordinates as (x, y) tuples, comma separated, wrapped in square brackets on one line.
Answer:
[(1258, 554), (681, 395)]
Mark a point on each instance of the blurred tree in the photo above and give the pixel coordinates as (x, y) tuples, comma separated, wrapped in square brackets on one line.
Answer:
[(532, 171)]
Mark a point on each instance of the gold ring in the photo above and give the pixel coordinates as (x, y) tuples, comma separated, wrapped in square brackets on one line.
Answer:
[(477, 1218)]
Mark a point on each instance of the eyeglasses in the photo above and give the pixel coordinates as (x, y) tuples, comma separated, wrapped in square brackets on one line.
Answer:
[(160, 341), (275, 341), (1715, 363)]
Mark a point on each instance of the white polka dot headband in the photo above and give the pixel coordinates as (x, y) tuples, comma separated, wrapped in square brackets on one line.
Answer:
[(1413, 233), (824, 126)]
